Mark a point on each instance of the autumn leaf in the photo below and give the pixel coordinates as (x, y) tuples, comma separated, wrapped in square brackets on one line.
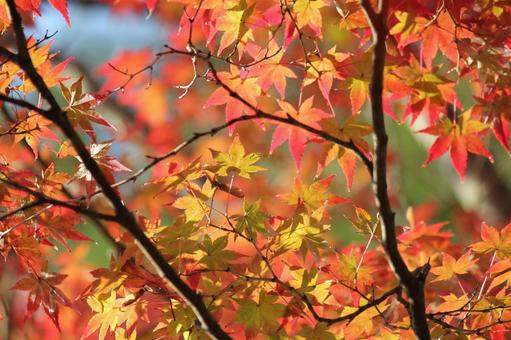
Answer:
[(308, 14), (263, 314), (308, 282), (365, 223), (502, 273), (111, 312), (452, 303), (460, 139), (194, 204), (44, 293), (108, 164), (322, 72), (319, 332), (313, 196), (297, 138), (352, 131), (359, 90), (231, 23), (179, 178), (215, 254), (31, 128), (252, 220), (272, 72), (450, 267), (303, 233), (60, 225), (61, 6), (246, 87), (494, 240), (81, 108), (195, 209), (236, 160)]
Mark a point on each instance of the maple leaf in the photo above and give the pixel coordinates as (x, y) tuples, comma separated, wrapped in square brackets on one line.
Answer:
[(308, 282), (42, 292), (272, 72), (51, 180), (350, 269), (216, 256), (231, 23), (41, 58), (494, 241), (31, 128), (460, 139), (61, 6), (195, 209), (313, 196), (323, 72), (450, 267), (262, 315), (365, 223), (359, 90), (111, 312), (246, 87), (81, 108), (303, 232), (308, 14), (253, 219), (362, 323), (236, 160), (452, 303), (351, 131), (297, 137), (319, 332), (408, 27), (428, 89), (194, 205), (108, 164), (177, 178), (502, 273), (59, 225)]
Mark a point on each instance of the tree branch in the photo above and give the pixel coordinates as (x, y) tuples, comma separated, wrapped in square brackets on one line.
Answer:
[(123, 216), (22, 103), (412, 284), (43, 199)]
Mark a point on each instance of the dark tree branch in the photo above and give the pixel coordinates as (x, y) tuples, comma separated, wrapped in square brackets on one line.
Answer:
[(412, 284), (461, 330), (22, 103), (43, 199), (95, 221), (123, 216), (4, 52), (24, 207)]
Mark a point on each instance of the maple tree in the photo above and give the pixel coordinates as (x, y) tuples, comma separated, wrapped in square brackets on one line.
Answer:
[(218, 232)]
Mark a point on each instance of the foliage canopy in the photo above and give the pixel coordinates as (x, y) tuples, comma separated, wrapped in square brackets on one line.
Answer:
[(219, 231)]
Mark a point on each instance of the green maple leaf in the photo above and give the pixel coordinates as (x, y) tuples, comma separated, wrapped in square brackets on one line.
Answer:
[(253, 219), (260, 316), (216, 256)]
